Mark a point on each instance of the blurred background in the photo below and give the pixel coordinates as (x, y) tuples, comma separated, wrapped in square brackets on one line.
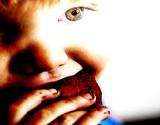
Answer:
[(132, 33)]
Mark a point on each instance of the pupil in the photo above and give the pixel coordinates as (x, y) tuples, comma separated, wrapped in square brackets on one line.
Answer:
[(74, 12)]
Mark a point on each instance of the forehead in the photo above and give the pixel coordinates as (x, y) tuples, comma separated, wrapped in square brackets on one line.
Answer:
[(24, 8), (74, 1), (14, 2), (28, 4), (80, 1)]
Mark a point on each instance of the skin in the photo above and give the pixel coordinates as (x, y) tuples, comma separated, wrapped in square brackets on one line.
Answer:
[(59, 48)]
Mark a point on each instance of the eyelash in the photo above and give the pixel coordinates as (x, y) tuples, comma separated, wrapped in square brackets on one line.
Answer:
[(74, 14), (79, 9)]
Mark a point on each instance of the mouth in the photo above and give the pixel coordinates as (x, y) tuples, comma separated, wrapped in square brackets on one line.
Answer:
[(71, 80), (82, 82)]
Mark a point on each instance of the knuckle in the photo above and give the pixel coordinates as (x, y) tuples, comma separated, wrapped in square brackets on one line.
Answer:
[(91, 117), (77, 102), (43, 113), (70, 101), (66, 117)]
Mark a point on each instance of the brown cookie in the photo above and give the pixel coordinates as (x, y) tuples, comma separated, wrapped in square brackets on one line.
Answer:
[(82, 82)]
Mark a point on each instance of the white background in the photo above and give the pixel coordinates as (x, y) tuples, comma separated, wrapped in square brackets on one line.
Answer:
[(132, 31)]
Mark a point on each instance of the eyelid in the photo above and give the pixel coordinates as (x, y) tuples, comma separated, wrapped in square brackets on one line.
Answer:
[(92, 8), (87, 8), (86, 5)]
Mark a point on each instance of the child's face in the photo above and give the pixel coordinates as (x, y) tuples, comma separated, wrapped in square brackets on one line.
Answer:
[(45, 44)]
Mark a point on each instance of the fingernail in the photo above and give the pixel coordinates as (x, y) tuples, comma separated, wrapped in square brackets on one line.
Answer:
[(103, 109), (54, 91), (54, 73), (88, 96)]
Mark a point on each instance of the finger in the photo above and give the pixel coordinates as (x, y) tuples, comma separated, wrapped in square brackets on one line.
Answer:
[(69, 118), (94, 117), (53, 111), (28, 102)]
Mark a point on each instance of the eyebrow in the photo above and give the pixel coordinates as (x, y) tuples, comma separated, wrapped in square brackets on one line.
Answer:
[(90, 3), (73, 1)]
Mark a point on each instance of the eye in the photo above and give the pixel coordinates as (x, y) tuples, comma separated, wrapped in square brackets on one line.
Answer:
[(75, 13)]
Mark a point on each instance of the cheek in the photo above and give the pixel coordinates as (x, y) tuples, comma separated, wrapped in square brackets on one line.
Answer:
[(4, 67), (86, 33), (87, 36)]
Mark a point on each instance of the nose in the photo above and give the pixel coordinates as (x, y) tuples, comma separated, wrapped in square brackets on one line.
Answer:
[(37, 57), (49, 56)]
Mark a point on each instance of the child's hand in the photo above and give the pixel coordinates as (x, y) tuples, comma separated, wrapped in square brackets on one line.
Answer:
[(63, 112)]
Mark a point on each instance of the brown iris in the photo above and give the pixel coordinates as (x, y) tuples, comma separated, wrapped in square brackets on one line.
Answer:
[(74, 14)]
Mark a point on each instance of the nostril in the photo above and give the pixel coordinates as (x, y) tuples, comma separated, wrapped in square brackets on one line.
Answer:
[(24, 63)]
